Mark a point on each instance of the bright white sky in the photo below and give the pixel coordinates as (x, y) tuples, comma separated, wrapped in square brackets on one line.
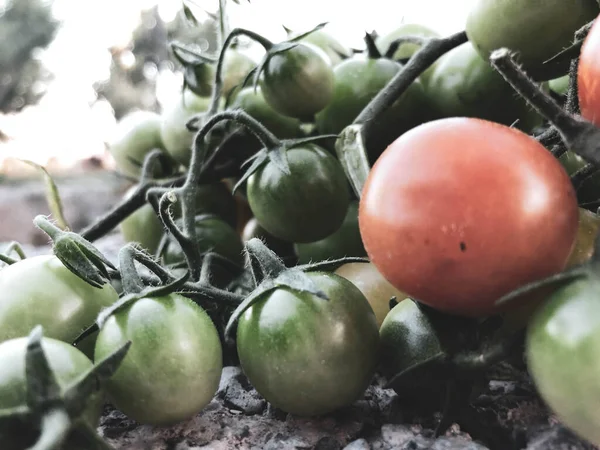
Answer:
[(64, 125)]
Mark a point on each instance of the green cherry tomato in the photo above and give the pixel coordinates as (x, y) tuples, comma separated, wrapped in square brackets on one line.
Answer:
[(136, 135), (560, 85), (40, 290), (407, 339), (377, 290), (563, 355), (307, 205), (174, 364), (345, 241), (176, 137), (213, 199), (235, 68), (534, 32), (306, 355), (589, 190), (357, 81), (252, 229), (589, 225), (253, 102), (212, 234), (336, 51), (463, 84), (405, 51), (298, 82), (67, 364)]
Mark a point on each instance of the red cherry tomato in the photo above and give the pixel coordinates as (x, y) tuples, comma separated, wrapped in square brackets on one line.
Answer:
[(458, 212), (588, 76)]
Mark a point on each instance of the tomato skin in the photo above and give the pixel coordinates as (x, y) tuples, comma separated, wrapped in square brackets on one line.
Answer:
[(406, 50), (465, 85), (518, 25), (67, 363), (235, 68), (40, 290), (174, 364), (175, 136), (254, 103), (254, 230), (142, 226), (407, 339), (306, 355), (345, 241), (305, 206), (450, 197), (136, 135), (588, 73), (331, 46), (213, 234), (562, 350), (299, 82), (377, 290), (357, 81)]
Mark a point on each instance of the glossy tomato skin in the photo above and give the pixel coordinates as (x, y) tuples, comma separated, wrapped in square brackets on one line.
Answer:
[(136, 135), (463, 84), (298, 82), (335, 50), (306, 355), (142, 226), (376, 289), (588, 74), (450, 197), (357, 81), (40, 290), (518, 25), (174, 364), (254, 103), (407, 339), (345, 241), (176, 138), (212, 234), (253, 230), (405, 51), (562, 349), (305, 206), (67, 363)]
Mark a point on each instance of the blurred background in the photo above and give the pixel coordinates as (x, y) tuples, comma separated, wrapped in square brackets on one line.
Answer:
[(69, 70)]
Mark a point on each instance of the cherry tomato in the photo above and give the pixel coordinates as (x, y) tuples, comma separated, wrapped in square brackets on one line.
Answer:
[(306, 355), (307, 205), (375, 288), (236, 66), (253, 230), (174, 364), (588, 74), (563, 355), (478, 209), (335, 50), (533, 32), (40, 290)]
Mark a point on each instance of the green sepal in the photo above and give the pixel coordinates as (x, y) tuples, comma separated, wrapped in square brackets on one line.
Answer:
[(43, 391)]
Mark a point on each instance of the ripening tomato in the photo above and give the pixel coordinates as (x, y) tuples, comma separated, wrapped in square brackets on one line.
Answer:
[(478, 209), (588, 76)]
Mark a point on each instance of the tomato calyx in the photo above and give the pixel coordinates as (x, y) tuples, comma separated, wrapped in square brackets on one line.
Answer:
[(350, 145), (198, 71), (54, 413), (269, 272), (76, 253)]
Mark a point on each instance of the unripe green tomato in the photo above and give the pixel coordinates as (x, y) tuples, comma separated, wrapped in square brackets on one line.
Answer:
[(298, 82), (235, 68), (41, 290), (142, 226), (465, 85), (560, 85), (67, 364), (176, 138), (253, 102), (345, 241), (405, 51), (173, 367), (336, 51), (535, 30), (136, 135), (357, 81), (306, 355), (252, 229)]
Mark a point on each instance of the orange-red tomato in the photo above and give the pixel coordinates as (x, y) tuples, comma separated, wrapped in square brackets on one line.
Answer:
[(458, 212), (588, 76)]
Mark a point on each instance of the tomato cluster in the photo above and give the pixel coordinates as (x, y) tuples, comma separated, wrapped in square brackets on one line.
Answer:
[(251, 239)]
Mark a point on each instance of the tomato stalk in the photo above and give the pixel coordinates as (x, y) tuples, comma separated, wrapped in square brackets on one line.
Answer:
[(350, 145), (579, 135), (132, 282), (372, 50), (391, 50)]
